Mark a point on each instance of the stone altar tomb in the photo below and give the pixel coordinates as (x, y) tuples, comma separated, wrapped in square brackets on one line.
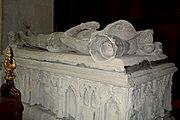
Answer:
[(118, 74)]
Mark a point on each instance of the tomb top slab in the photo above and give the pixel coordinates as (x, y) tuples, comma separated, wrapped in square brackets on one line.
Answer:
[(118, 64)]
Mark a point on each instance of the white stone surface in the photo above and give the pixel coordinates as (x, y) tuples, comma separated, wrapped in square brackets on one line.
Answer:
[(82, 60), (67, 85), (37, 113)]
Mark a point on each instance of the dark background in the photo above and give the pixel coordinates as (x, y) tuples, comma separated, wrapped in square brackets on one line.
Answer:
[(160, 15)]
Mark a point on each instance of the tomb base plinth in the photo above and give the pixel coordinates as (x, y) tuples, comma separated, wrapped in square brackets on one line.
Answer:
[(69, 86)]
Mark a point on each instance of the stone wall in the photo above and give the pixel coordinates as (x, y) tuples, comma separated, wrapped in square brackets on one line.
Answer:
[(38, 14)]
